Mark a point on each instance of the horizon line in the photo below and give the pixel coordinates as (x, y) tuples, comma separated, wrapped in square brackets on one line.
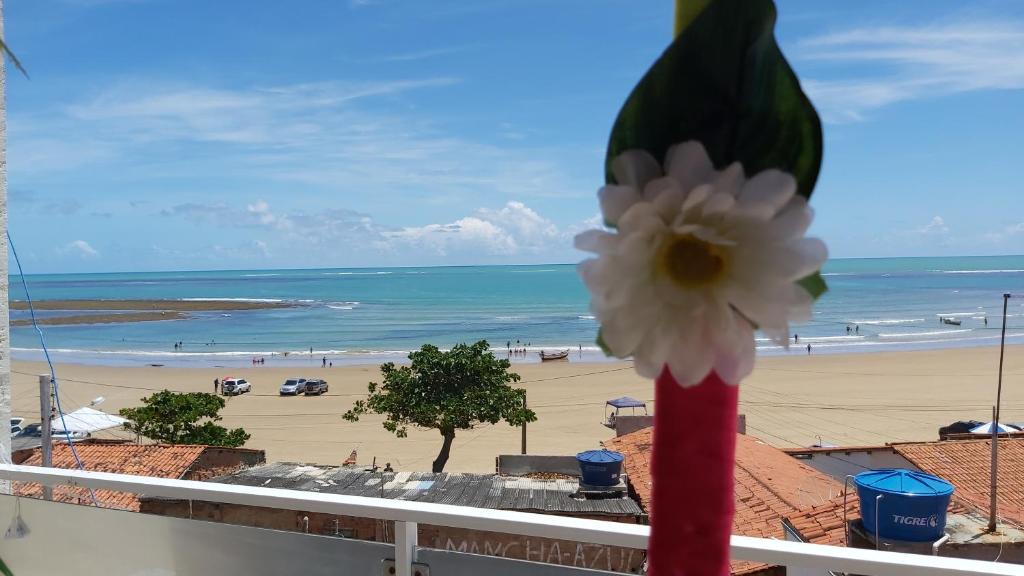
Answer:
[(461, 266)]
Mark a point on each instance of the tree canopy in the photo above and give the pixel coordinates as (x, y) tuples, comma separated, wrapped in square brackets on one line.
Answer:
[(447, 391), (182, 418)]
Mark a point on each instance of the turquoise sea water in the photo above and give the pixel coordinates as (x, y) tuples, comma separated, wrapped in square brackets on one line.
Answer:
[(372, 315)]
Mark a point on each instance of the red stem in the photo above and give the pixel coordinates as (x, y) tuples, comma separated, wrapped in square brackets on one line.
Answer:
[(692, 474)]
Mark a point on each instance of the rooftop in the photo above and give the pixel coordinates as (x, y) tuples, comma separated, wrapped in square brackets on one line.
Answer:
[(770, 485), (824, 523), (966, 464), (462, 489), (158, 460)]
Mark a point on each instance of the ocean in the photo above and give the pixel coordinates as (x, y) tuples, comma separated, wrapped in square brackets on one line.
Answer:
[(379, 314)]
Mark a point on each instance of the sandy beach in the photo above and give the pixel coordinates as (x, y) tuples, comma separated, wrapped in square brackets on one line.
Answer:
[(855, 399)]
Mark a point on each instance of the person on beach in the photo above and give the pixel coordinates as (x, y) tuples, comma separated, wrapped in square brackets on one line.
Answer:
[(847, 329), (796, 338), (857, 329), (986, 320), (808, 349), (216, 385), (323, 362)]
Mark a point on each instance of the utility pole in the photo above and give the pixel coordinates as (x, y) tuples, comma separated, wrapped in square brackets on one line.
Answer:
[(5, 316), (523, 450), (1002, 349), (995, 468), (45, 388), (995, 423)]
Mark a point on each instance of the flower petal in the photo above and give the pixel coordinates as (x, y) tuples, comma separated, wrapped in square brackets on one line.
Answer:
[(730, 180), (793, 220), (696, 196), (597, 241), (658, 186), (718, 204), (691, 358), (641, 217), (635, 168), (766, 193), (624, 330), (669, 202), (615, 200), (786, 262), (735, 352), (765, 305), (688, 164)]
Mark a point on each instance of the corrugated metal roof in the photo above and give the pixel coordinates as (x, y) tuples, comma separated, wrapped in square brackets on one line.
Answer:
[(460, 489)]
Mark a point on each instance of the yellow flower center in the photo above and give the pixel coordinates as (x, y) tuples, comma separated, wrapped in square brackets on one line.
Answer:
[(689, 261)]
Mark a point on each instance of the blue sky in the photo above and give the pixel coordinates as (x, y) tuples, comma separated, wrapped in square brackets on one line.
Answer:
[(189, 134)]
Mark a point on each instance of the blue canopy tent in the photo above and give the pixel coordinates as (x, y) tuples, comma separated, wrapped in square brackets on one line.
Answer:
[(619, 404)]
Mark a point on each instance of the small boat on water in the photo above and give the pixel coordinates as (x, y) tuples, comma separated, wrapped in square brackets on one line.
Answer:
[(546, 356), (951, 321)]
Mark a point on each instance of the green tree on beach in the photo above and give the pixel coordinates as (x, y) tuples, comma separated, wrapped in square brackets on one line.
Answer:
[(446, 391), (182, 418)]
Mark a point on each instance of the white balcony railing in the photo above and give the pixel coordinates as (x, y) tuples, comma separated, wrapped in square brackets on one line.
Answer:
[(109, 536)]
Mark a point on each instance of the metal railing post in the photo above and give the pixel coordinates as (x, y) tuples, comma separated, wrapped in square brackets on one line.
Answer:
[(405, 547)]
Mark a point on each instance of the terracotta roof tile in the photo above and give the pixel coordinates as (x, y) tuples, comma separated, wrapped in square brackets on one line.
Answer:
[(157, 460), (770, 486), (966, 464)]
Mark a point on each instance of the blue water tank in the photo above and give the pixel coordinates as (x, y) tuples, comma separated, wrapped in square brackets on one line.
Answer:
[(913, 504), (600, 467)]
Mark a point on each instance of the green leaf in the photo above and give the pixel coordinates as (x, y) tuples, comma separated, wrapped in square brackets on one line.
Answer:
[(814, 284), (5, 570), (686, 11), (725, 83)]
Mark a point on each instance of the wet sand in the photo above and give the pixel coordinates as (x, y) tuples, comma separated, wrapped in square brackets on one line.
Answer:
[(139, 305), (133, 310), (122, 317)]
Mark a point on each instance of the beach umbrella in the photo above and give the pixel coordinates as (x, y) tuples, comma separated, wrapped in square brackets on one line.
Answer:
[(987, 429)]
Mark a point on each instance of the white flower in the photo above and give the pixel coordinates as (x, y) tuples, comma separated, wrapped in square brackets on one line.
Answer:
[(700, 258), (640, 178)]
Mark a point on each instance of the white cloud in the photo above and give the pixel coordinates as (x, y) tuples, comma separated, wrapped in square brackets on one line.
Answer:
[(261, 248), (260, 212), (891, 64), (486, 235), (937, 226), (1008, 232), (79, 248), (514, 229), (329, 136), (423, 54)]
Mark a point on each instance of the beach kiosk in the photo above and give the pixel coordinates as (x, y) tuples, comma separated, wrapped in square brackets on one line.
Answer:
[(612, 407)]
